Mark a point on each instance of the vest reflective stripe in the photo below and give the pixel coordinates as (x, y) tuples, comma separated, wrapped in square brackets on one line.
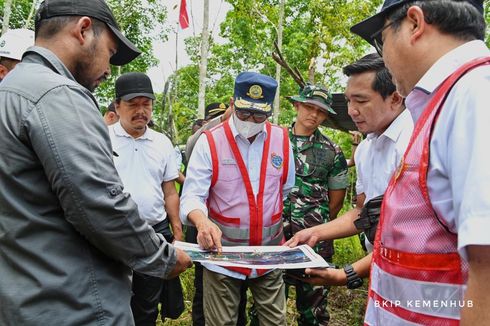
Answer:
[(214, 157), (429, 298), (285, 150), (440, 262), (242, 235), (415, 256)]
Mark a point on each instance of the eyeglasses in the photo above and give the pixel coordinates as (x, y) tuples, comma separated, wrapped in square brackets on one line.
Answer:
[(377, 38), (257, 117)]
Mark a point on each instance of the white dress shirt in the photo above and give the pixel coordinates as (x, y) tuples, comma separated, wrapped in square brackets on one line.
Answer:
[(199, 173), (144, 164), (459, 177), (378, 156)]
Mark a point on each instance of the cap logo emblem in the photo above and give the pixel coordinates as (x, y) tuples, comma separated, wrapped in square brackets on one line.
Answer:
[(2, 44), (255, 92)]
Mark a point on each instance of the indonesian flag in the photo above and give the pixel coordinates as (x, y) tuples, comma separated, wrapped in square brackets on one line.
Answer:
[(183, 18)]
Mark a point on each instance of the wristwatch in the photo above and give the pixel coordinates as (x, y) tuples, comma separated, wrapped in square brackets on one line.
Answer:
[(353, 280)]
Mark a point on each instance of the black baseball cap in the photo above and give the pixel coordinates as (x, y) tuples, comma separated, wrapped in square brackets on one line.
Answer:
[(368, 27), (133, 84), (97, 9)]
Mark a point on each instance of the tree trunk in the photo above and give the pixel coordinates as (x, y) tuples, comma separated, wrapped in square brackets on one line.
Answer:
[(204, 60), (277, 104), (30, 18), (311, 71), (7, 10)]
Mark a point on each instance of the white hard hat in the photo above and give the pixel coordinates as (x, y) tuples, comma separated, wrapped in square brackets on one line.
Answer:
[(15, 42)]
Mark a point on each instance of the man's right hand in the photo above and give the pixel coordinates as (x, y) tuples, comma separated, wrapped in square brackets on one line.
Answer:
[(183, 263), (306, 236), (209, 235)]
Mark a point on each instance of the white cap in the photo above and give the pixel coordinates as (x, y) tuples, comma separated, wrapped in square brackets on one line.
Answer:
[(15, 42)]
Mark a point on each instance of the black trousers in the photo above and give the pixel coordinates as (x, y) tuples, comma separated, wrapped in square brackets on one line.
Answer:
[(147, 289), (197, 302)]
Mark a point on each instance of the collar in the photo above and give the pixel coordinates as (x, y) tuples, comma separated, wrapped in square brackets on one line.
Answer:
[(395, 128), (450, 62), (37, 54), (121, 132)]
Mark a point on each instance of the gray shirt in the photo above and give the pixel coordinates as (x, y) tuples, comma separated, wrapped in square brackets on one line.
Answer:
[(69, 235)]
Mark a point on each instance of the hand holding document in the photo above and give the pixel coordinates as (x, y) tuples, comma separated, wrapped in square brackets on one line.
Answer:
[(257, 257)]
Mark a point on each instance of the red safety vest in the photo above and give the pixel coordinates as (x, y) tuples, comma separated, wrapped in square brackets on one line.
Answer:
[(417, 275), (243, 217)]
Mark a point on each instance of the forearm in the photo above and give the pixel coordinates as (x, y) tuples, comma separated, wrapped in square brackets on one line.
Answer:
[(341, 227), (181, 178), (361, 267), (336, 202), (172, 204), (197, 217)]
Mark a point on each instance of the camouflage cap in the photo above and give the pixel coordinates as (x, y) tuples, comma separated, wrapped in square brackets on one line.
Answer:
[(316, 95)]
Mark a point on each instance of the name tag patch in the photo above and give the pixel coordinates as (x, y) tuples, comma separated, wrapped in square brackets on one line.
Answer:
[(228, 161)]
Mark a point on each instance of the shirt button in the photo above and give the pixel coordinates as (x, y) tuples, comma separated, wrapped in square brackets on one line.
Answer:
[(135, 149), (113, 192)]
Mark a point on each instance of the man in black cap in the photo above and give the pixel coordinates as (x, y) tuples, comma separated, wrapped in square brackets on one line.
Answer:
[(432, 243), (147, 167), (69, 236), (237, 178)]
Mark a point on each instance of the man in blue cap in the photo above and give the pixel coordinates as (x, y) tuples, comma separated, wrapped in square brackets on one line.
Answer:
[(432, 244), (237, 177)]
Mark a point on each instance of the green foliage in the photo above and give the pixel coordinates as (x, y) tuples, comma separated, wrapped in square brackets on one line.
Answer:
[(141, 21), (313, 29), (19, 14)]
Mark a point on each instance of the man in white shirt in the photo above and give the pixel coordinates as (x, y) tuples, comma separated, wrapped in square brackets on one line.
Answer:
[(436, 213), (145, 161), (378, 111), (238, 175), (13, 44)]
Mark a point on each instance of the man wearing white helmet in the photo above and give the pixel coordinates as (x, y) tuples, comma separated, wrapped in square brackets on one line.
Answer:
[(12, 46)]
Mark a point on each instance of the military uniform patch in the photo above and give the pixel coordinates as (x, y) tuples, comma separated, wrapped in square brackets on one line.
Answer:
[(276, 161)]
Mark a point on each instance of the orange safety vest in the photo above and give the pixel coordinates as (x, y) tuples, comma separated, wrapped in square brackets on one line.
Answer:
[(417, 275)]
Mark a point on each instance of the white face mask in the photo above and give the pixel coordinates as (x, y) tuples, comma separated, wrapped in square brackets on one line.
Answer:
[(247, 128)]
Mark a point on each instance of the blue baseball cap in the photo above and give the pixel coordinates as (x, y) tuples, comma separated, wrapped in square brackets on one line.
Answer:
[(254, 92), (368, 27)]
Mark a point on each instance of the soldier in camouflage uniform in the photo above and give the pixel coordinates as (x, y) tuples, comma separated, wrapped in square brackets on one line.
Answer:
[(318, 194)]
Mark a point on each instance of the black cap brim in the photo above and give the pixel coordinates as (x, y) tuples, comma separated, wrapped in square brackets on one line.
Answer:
[(126, 51), (342, 120), (129, 97), (368, 27)]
